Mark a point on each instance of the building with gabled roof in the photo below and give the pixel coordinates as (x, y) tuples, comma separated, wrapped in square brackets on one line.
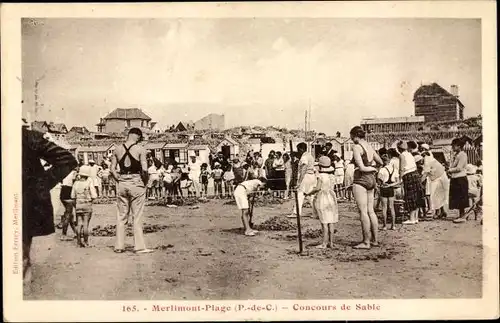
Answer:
[(437, 104), (120, 119)]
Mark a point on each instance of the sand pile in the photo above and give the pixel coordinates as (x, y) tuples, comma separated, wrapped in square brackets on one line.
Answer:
[(276, 224), (110, 230)]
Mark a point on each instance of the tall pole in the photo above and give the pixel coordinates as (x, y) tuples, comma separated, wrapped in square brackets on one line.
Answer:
[(297, 209), (309, 148), (305, 126)]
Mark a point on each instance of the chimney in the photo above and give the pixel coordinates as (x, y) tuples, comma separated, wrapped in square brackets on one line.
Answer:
[(454, 90)]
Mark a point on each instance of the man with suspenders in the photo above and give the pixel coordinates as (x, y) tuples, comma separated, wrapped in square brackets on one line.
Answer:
[(131, 189)]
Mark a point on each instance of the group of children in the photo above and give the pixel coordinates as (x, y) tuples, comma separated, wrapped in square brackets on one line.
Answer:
[(175, 181)]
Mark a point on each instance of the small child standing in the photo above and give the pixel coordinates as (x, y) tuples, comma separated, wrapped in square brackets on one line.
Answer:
[(105, 175), (186, 185), (241, 196), (228, 181), (168, 183), (475, 183), (349, 178), (325, 202), (204, 176), (83, 192), (386, 183), (217, 176)]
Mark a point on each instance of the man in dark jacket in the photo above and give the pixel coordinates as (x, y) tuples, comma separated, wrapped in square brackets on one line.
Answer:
[(38, 213), (329, 151)]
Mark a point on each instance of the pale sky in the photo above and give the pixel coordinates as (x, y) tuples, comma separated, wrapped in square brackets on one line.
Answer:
[(255, 71)]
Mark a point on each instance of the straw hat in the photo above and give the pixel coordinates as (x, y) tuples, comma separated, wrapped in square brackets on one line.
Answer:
[(324, 161), (84, 171), (470, 169)]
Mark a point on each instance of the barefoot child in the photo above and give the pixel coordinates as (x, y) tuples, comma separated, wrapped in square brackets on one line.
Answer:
[(475, 184), (83, 192), (217, 175), (325, 202), (228, 181), (204, 176), (241, 196), (67, 201), (386, 181)]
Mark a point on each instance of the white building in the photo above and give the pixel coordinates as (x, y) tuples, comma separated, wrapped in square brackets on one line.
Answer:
[(201, 152), (229, 147)]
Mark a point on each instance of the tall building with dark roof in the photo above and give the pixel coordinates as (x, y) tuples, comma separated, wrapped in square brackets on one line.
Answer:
[(437, 104), (121, 119)]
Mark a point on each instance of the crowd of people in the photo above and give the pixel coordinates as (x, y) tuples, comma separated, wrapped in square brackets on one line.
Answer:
[(406, 173)]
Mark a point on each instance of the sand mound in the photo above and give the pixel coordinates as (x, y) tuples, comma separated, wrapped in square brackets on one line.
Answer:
[(276, 224), (110, 230)]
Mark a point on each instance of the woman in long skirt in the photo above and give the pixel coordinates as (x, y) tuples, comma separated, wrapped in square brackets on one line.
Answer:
[(414, 194), (279, 173), (439, 184), (459, 186)]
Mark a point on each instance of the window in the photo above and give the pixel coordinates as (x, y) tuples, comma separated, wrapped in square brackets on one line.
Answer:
[(128, 123), (197, 153), (183, 156)]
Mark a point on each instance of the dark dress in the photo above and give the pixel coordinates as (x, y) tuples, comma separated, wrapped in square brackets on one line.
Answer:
[(38, 213)]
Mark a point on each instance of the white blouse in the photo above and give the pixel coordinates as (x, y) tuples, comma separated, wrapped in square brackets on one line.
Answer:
[(406, 163)]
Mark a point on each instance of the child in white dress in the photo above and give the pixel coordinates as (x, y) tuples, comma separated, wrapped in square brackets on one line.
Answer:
[(325, 202)]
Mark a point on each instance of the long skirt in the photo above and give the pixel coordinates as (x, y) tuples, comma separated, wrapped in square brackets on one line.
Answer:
[(440, 190), (413, 191), (325, 207), (280, 180), (459, 193)]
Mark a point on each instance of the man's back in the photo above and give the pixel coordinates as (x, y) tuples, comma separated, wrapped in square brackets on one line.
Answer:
[(135, 151)]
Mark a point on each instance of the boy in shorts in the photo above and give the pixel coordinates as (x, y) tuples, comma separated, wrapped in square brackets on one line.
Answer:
[(83, 193), (241, 193)]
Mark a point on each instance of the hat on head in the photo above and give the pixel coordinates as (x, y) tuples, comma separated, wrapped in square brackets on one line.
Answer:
[(418, 158), (324, 161), (425, 146), (84, 171), (403, 145), (91, 161), (470, 169)]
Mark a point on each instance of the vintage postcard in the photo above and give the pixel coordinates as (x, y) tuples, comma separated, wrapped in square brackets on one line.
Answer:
[(250, 161)]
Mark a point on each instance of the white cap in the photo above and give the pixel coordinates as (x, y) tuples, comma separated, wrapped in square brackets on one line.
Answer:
[(470, 169)]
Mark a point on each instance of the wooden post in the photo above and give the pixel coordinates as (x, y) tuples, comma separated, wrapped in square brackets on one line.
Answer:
[(299, 229), (252, 202)]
